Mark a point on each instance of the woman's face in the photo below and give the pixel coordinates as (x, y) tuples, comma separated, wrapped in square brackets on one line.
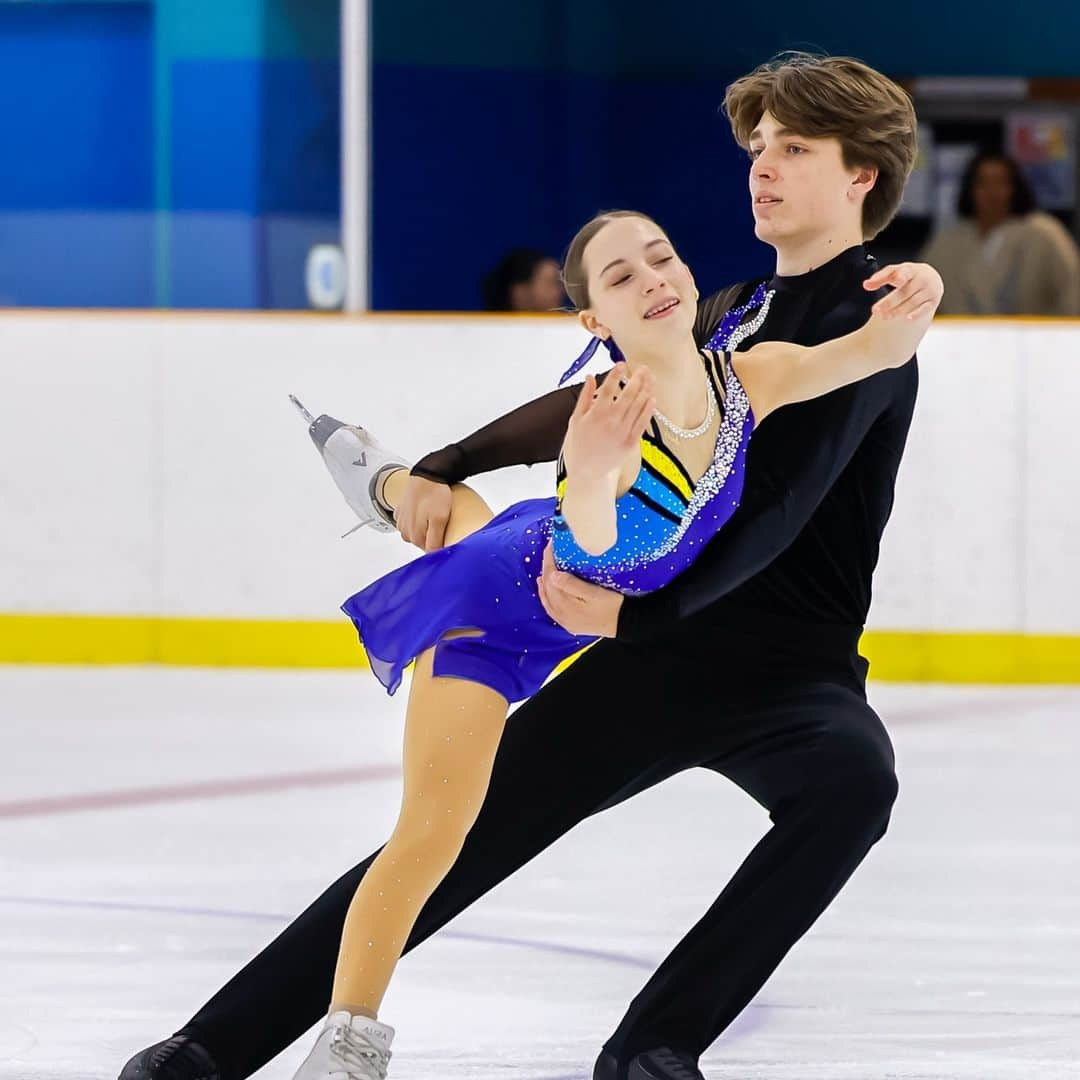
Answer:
[(992, 192), (640, 292)]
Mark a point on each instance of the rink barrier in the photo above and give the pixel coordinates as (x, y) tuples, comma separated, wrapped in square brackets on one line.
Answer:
[(895, 656), (159, 474)]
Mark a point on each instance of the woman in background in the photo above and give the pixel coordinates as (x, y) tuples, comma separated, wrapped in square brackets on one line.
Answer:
[(1004, 256)]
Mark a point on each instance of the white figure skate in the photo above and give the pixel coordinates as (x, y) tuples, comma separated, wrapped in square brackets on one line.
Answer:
[(356, 461), (348, 1048)]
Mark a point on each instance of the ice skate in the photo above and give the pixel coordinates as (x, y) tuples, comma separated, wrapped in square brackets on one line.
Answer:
[(178, 1058), (664, 1064), (356, 462), (660, 1063), (348, 1048)]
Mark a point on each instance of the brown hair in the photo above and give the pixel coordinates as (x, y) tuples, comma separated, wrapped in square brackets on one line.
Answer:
[(574, 279), (842, 98)]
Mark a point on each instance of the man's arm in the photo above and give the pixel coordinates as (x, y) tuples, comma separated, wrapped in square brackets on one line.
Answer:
[(773, 510), (778, 373)]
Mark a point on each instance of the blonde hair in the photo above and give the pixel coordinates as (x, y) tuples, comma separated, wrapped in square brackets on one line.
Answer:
[(838, 97), (574, 279)]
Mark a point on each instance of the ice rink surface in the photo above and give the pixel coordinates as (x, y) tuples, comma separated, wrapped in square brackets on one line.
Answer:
[(159, 826)]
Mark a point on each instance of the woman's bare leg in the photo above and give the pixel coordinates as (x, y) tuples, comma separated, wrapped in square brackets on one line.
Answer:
[(452, 730)]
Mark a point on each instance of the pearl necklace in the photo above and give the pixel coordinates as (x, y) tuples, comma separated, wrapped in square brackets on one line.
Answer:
[(692, 433)]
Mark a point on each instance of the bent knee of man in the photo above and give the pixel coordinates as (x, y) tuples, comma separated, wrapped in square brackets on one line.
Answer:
[(866, 790), (881, 789), (857, 767)]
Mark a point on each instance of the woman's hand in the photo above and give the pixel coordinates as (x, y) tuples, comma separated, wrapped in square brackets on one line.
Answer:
[(608, 422), (423, 512), (917, 290)]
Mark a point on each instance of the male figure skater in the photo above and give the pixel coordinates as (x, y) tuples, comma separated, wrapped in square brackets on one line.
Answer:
[(753, 669)]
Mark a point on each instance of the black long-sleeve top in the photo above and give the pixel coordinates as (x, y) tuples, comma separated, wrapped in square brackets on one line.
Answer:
[(803, 544)]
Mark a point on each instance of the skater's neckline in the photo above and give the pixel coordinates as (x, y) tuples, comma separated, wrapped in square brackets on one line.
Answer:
[(844, 263)]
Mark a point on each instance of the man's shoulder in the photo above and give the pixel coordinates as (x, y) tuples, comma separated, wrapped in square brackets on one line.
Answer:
[(731, 295), (713, 308)]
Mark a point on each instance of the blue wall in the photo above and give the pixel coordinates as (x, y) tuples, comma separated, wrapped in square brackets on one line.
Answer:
[(471, 163), (248, 147), (181, 152), (498, 125), (186, 152), (76, 186)]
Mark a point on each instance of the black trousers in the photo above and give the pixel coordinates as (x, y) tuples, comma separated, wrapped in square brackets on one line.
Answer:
[(804, 745)]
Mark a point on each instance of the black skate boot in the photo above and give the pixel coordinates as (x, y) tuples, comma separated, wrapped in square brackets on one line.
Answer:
[(178, 1058), (658, 1064)]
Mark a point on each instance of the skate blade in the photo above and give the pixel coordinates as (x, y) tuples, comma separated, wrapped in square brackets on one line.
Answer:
[(303, 412), (377, 525)]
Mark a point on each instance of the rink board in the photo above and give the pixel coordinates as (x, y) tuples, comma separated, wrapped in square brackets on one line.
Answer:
[(163, 504)]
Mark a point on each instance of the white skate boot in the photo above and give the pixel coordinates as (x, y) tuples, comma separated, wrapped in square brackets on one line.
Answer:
[(348, 1048), (355, 461)]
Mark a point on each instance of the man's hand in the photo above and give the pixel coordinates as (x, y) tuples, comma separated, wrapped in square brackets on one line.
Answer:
[(579, 607), (423, 512), (917, 290)]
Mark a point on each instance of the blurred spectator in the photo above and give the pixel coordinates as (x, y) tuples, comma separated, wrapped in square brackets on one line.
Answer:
[(524, 280), (1004, 256)]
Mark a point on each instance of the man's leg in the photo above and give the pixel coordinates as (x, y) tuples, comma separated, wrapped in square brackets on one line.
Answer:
[(585, 742), (823, 766)]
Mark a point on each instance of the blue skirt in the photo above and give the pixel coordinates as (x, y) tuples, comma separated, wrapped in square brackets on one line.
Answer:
[(485, 582)]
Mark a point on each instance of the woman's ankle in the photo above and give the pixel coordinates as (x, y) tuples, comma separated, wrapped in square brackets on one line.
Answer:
[(354, 1010), (389, 485)]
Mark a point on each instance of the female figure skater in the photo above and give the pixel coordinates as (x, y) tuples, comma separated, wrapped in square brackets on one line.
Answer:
[(652, 467)]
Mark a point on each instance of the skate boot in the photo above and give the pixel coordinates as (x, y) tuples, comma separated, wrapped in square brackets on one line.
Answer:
[(664, 1064), (658, 1064), (348, 1048), (178, 1058), (356, 463)]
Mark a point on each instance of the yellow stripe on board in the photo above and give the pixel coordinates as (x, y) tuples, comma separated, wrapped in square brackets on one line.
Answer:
[(971, 657), (93, 639), (103, 639)]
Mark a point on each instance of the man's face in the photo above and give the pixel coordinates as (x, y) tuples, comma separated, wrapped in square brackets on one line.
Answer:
[(815, 190)]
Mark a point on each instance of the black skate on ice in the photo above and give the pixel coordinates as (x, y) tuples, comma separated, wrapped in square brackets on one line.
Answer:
[(178, 1058), (658, 1064)]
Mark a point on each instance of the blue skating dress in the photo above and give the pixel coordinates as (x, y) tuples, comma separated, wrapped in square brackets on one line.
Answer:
[(487, 581)]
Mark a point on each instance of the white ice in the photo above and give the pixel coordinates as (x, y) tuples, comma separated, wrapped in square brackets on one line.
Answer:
[(954, 952)]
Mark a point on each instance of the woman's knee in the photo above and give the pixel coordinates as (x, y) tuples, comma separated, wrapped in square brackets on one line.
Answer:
[(433, 835)]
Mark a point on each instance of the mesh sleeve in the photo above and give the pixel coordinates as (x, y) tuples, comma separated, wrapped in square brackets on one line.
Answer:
[(527, 435)]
